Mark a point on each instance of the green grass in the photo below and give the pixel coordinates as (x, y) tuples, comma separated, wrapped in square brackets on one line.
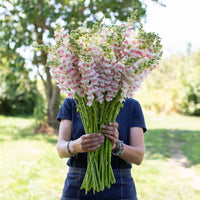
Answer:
[(167, 133), (30, 168), (157, 178)]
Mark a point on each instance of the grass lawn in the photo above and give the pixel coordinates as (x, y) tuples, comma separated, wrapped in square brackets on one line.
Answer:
[(171, 168), (30, 168)]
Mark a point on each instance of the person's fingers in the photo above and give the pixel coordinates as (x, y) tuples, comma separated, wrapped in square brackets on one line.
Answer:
[(92, 135), (113, 139), (92, 138), (114, 124), (91, 141), (93, 148), (111, 131), (94, 143)]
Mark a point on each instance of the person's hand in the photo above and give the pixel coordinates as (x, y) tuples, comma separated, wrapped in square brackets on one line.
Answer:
[(86, 143), (111, 132)]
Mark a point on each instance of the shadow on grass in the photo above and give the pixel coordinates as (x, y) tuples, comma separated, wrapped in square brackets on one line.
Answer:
[(165, 143), (28, 133), (160, 143)]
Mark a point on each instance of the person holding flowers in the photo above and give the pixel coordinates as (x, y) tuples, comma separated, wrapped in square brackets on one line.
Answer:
[(102, 126), (126, 135)]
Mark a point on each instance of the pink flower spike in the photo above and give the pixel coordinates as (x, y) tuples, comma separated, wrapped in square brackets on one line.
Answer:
[(74, 75), (85, 78), (98, 92), (67, 55), (139, 53), (120, 68), (69, 64), (69, 71), (92, 65), (133, 42), (89, 102), (90, 96), (94, 81), (70, 95), (150, 50), (147, 56), (73, 57), (134, 68), (75, 88), (115, 45), (126, 41), (69, 82), (126, 53), (132, 51)]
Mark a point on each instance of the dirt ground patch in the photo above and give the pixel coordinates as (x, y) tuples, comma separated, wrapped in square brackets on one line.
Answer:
[(183, 168)]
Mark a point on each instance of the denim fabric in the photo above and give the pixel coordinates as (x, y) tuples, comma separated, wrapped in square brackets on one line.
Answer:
[(123, 189)]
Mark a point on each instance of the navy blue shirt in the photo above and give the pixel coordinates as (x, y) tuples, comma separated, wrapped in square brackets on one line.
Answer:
[(130, 115)]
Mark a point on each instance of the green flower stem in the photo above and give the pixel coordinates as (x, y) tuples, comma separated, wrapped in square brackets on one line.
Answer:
[(99, 172)]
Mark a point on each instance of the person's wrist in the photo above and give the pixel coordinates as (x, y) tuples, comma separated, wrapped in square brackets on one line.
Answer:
[(116, 147), (119, 149), (70, 148)]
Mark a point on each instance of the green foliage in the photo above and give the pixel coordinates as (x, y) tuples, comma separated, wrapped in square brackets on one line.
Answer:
[(174, 86), (25, 23), (17, 91), (40, 109)]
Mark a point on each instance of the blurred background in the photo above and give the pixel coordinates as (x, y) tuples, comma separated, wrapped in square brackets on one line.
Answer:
[(29, 98)]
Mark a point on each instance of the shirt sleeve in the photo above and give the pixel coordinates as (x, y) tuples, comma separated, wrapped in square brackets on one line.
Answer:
[(137, 119), (65, 111)]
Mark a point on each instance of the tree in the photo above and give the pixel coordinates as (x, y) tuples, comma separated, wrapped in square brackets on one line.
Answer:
[(25, 22), (17, 91)]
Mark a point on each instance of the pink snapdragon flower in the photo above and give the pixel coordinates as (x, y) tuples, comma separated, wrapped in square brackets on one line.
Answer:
[(103, 66)]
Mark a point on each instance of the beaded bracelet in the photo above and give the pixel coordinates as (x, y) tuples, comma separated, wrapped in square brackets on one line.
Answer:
[(119, 149), (68, 151)]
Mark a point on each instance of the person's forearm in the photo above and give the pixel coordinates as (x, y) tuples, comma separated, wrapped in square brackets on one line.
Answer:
[(62, 149), (133, 154)]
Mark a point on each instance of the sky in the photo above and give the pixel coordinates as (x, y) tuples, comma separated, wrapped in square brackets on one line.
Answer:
[(177, 24)]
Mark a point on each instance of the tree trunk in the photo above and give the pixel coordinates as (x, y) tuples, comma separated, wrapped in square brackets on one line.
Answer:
[(52, 106), (52, 94)]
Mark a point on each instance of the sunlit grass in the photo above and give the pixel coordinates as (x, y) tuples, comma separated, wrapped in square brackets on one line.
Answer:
[(30, 168), (29, 165), (157, 178)]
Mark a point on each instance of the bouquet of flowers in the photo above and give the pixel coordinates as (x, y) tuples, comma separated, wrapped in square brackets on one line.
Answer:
[(100, 67)]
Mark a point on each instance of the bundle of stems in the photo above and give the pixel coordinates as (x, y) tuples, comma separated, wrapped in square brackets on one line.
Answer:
[(99, 173)]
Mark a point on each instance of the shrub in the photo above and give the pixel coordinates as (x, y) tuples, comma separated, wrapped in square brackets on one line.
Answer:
[(174, 86)]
